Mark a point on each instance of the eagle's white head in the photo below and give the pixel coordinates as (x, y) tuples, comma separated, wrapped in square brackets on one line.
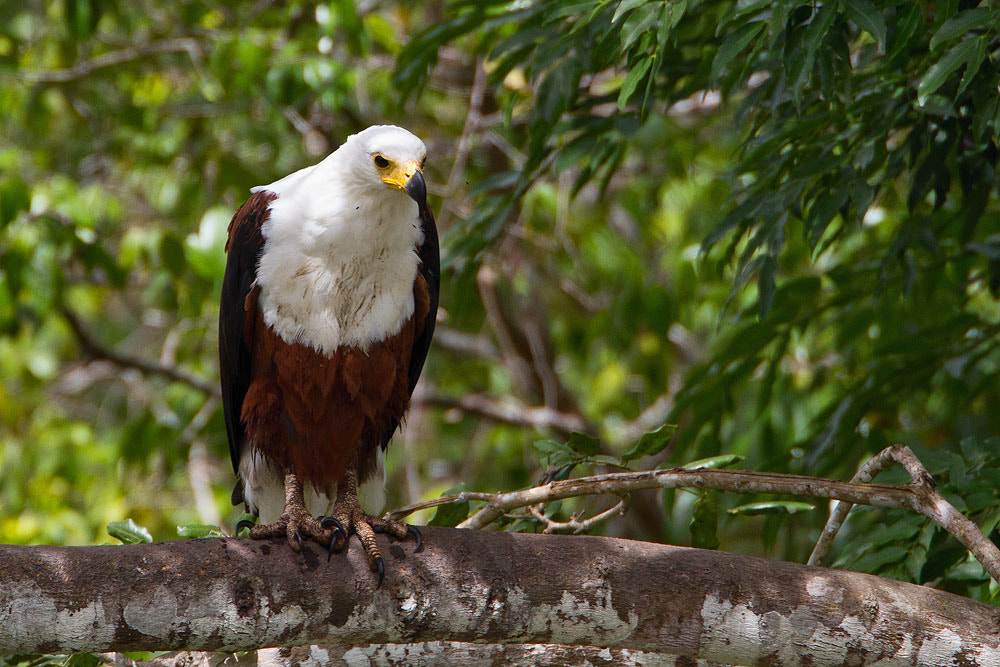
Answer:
[(382, 155), (359, 171), (339, 256)]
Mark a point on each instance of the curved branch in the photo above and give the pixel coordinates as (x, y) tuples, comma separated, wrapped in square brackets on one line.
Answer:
[(97, 350), (188, 45), (931, 504), (920, 496), (512, 412), (479, 586)]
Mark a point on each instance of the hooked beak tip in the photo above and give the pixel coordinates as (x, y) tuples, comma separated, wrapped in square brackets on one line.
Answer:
[(416, 188)]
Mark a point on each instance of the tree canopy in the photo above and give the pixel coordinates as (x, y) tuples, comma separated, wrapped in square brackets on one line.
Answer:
[(772, 224)]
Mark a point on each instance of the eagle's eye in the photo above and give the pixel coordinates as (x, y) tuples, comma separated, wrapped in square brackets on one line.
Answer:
[(381, 162)]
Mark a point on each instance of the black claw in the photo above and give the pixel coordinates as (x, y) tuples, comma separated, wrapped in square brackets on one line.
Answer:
[(380, 567), (245, 523), (416, 534), (331, 522), (298, 539)]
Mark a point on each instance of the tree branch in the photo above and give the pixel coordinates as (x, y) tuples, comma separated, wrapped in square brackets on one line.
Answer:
[(97, 350), (931, 504), (188, 45), (512, 412), (919, 496), (479, 586)]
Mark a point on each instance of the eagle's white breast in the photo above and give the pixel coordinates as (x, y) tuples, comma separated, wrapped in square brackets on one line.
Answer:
[(339, 258)]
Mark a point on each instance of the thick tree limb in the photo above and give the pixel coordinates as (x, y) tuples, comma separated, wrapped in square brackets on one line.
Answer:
[(478, 586), (424, 654)]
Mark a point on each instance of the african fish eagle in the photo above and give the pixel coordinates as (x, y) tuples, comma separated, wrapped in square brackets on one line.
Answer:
[(327, 311)]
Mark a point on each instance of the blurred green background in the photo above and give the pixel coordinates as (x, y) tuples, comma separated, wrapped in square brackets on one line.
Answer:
[(773, 224)]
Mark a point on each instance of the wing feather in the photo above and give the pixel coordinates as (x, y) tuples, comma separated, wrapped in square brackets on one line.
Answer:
[(430, 267), (235, 348)]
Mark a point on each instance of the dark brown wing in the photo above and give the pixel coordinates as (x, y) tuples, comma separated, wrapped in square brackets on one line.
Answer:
[(430, 266), (235, 349)]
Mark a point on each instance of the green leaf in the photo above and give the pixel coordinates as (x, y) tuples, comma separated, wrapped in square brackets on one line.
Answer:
[(452, 514), (651, 443), (129, 532), (904, 32), (734, 44), (705, 521), (584, 444), (915, 560), (811, 42), (81, 660), (945, 67), (772, 507), (713, 462), (867, 17), (765, 284), (973, 67), (14, 198), (970, 19), (632, 79), (625, 7), (195, 530), (638, 23), (554, 453)]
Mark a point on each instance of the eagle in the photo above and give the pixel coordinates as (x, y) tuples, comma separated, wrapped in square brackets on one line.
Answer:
[(328, 306)]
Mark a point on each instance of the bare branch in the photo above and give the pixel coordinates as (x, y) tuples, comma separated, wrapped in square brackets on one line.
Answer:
[(509, 411), (464, 143), (188, 45), (736, 481), (619, 483), (486, 281), (481, 587), (465, 343), (930, 503), (919, 496), (95, 349), (575, 525)]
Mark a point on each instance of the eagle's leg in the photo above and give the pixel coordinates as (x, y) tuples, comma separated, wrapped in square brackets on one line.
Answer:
[(347, 516), (295, 522)]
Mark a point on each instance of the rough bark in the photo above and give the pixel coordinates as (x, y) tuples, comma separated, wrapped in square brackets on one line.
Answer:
[(477, 586), (423, 654)]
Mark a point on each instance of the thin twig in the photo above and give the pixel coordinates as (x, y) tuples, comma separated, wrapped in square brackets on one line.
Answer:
[(188, 45), (466, 343), (464, 144), (509, 411), (575, 525), (838, 514), (517, 365), (97, 350), (930, 503)]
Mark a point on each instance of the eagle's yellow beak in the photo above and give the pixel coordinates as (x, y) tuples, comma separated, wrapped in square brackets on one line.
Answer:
[(408, 178)]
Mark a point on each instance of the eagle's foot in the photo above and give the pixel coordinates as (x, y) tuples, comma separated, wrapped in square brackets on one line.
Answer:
[(347, 517), (296, 525)]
